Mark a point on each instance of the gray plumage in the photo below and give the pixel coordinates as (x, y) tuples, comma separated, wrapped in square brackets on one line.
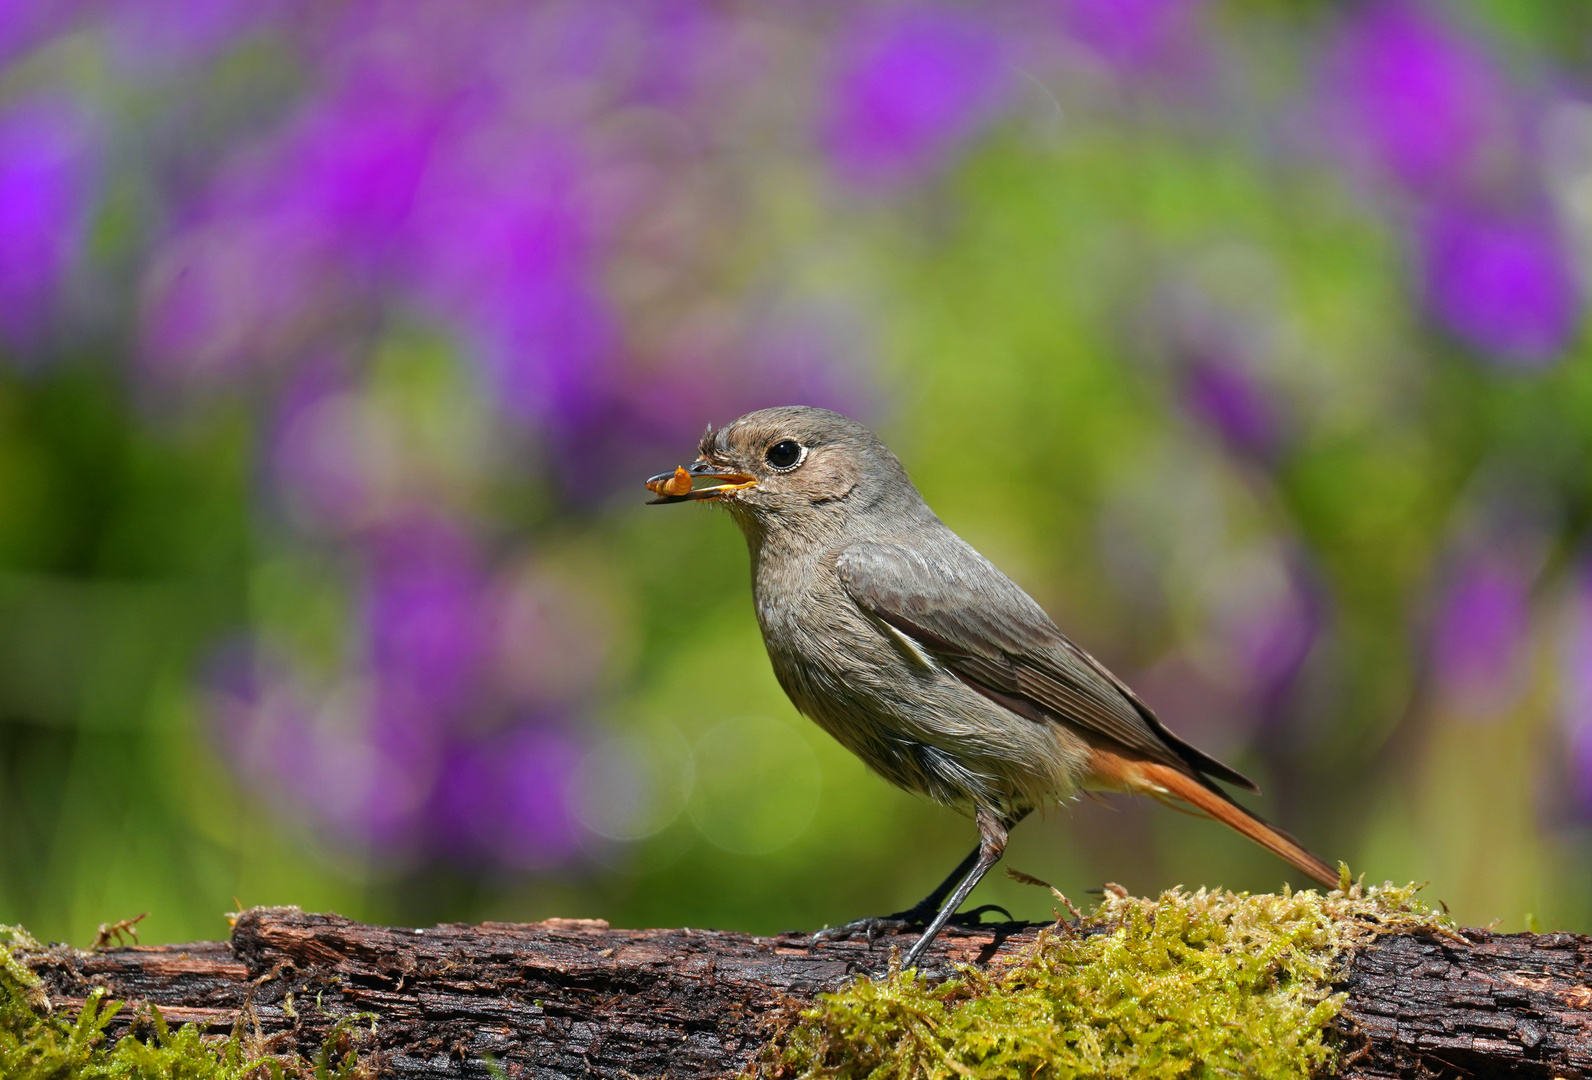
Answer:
[(900, 640), (922, 658)]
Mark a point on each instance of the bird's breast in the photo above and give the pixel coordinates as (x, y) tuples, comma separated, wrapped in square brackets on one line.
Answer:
[(887, 700)]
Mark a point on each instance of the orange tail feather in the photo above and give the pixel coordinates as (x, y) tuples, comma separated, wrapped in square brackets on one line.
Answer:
[(1162, 781)]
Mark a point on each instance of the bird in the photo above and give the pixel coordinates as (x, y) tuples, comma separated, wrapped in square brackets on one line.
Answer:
[(918, 655)]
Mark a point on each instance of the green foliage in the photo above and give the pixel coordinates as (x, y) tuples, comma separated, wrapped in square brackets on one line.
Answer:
[(35, 1044), (1188, 985), (1023, 326)]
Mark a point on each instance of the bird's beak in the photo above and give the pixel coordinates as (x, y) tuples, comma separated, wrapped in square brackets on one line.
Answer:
[(677, 486)]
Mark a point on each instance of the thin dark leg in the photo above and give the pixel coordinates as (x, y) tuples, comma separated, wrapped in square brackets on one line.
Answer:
[(992, 831), (931, 903), (920, 913)]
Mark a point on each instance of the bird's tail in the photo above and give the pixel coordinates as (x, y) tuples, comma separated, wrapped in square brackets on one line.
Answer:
[(1165, 783)]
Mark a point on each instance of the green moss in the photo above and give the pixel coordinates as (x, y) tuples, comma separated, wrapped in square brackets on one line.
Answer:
[(1187, 985), (36, 1044)]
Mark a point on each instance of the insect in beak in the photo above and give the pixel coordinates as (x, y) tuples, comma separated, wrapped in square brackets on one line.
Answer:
[(678, 485)]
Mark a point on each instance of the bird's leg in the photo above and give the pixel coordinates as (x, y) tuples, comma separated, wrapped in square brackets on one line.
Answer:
[(920, 913), (992, 832)]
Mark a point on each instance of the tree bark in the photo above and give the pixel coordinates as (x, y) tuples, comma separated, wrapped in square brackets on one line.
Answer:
[(1502, 1005), (574, 998)]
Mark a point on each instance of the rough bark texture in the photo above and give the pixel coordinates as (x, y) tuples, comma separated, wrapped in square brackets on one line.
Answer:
[(573, 998), (1502, 1005)]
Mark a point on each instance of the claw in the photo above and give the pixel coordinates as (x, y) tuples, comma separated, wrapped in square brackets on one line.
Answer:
[(871, 928), (903, 921)]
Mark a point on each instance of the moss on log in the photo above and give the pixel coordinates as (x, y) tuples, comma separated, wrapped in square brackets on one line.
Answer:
[(1348, 984)]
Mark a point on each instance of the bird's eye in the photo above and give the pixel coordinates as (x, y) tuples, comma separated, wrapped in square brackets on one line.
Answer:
[(785, 454)]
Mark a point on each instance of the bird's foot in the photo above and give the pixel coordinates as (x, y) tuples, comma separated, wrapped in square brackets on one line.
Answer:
[(875, 925), (917, 918)]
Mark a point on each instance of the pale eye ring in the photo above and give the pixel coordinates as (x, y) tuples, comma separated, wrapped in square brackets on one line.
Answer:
[(785, 455)]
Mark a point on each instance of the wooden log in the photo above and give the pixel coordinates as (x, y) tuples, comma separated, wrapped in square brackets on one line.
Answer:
[(1502, 1005), (574, 998)]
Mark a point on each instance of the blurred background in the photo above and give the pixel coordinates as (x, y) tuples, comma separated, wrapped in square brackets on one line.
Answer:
[(337, 336)]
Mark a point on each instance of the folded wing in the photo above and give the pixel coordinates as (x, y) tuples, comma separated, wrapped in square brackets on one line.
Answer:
[(977, 623)]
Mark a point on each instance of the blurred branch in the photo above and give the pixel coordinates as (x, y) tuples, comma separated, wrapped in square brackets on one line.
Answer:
[(574, 997)]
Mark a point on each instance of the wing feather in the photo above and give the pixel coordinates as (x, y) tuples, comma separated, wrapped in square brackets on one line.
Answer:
[(980, 625)]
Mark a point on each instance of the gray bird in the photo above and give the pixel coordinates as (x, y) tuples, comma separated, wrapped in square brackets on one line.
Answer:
[(923, 659)]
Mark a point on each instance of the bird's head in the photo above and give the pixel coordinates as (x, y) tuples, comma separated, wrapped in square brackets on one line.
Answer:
[(793, 467)]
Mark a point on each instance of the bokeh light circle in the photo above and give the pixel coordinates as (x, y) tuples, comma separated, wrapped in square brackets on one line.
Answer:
[(758, 784), (634, 785)]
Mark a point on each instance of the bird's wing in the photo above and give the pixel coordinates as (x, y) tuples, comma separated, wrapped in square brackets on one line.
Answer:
[(978, 623)]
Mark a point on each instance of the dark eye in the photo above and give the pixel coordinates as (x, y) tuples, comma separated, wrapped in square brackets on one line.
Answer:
[(785, 454)]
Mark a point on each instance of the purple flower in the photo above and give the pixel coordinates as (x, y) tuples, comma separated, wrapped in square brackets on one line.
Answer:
[(150, 35), (1132, 35), (24, 23), (1479, 637), (1580, 739), (1422, 102), (506, 800), (1505, 286), (681, 38), (1230, 400), (504, 249), (289, 239), (389, 769), (424, 615), (235, 291), (535, 767), (382, 772), (48, 173), (1273, 642), (913, 83), (425, 176), (362, 769), (1576, 686), (356, 165), (1266, 619)]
